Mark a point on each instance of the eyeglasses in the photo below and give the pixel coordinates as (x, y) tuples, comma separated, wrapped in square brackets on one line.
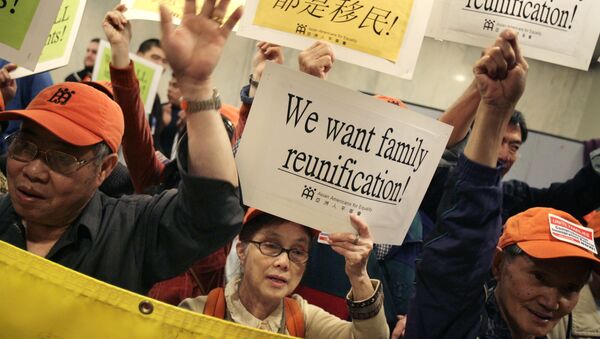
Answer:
[(22, 150), (272, 249)]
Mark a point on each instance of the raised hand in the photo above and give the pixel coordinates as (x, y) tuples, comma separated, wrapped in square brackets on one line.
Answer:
[(501, 72), (194, 48), (8, 85), (354, 247), (317, 60), (265, 51), (118, 32)]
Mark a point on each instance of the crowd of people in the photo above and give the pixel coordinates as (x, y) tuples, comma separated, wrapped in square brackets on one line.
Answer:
[(483, 258)]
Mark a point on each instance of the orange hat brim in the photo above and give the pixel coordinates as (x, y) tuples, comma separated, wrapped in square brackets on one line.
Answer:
[(58, 125), (544, 249)]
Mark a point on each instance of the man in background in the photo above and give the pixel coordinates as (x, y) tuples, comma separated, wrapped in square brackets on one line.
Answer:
[(88, 63)]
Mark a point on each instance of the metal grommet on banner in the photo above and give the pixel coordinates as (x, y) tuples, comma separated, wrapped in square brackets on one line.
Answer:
[(146, 307)]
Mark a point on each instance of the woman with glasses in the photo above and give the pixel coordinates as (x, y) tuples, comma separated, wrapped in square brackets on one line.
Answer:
[(273, 254)]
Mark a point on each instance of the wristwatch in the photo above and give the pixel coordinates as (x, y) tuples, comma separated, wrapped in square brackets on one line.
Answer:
[(252, 82), (213, 103)]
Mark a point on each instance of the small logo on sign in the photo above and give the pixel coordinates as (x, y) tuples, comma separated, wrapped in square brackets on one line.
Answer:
[(62, 96), (301, 29), (488, 24), (308, 192)]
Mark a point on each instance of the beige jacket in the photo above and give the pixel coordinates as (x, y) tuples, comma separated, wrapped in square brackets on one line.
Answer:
[(586, 319), (317, 322)]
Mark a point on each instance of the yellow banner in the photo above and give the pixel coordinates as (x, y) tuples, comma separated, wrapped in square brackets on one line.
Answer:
[(176, 6), (375, 27), (41, 299)]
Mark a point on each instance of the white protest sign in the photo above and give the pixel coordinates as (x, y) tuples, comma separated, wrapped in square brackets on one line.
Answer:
[(24, 27), (147, 73), (360, 32), (562, 32), (60, 42), (313, 152)]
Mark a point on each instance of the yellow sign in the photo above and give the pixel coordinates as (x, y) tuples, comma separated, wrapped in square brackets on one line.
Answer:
[(147, 73), (15, 20), (41, 299), (175, 6), (375, 27), (58, 38)]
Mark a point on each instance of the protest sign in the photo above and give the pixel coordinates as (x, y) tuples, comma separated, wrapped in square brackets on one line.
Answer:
[(384, 35), (147, 73), (24, 27), (562, 32), (60, 41), (313, 152), (148, 9), (41, 299)]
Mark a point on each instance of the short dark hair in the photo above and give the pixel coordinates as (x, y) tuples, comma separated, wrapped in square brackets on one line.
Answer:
[(101, 150), (96, 40), (512, 251), (261, 221), (148, 44), (518, 119)]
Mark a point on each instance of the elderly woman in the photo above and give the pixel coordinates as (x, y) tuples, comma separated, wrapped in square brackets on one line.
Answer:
[(273, 254)]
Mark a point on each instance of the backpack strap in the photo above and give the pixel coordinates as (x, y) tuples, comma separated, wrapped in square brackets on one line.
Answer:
[(215, 303), (294, 318)]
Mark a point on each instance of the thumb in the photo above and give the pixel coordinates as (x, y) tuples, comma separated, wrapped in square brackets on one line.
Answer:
[(10, 67), (361, 226)]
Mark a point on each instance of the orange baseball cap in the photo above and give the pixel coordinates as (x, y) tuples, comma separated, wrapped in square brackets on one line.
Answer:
[(76, 113), (593, 220), (546, 233)]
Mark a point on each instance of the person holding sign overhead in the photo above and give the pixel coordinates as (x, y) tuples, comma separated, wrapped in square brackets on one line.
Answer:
[(273, 254)]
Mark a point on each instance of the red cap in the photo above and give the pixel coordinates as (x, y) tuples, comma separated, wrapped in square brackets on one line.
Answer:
[(546, 233), (76, 113)]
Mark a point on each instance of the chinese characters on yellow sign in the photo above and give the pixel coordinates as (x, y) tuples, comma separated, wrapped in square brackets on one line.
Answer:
[(375, 27)]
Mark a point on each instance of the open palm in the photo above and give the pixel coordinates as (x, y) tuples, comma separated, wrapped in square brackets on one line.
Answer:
[(194, 48)]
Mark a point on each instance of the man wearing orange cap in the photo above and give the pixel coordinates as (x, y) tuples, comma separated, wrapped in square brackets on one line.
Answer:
[(584, 321), (540, 263), (67, 146)]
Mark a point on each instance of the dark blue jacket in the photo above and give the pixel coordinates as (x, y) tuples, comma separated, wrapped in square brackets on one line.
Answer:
[(450, 295)]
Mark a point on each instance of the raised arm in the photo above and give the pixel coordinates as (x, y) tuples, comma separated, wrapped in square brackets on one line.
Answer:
[(138, 148), (193, 50), (456, 263), (265, 51)]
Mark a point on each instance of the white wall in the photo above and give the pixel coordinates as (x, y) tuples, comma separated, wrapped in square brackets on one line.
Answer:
[(558, 100)]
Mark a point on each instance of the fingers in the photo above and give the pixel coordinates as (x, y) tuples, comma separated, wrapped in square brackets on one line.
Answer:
[(361, 226), (116, 19), (5, 78), (400, 327), (10, 67), (233, 19), (207, 8), (189, 8), (166, 22), (220, 9)]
